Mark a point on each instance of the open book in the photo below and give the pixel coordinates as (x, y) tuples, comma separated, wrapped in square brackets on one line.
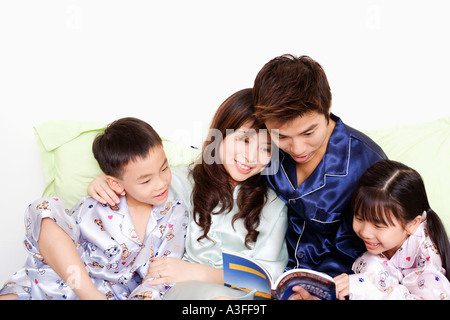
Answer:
[(243, 273)]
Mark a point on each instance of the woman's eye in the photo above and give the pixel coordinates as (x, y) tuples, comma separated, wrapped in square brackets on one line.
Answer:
[(243, 138)]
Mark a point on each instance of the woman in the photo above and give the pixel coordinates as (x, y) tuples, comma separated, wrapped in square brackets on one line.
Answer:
[(231, 206)]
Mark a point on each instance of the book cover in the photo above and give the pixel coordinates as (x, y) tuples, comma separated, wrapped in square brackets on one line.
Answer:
[(243, 273)]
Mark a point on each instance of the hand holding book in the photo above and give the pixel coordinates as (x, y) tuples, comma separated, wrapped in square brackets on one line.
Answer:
[(243, 273)]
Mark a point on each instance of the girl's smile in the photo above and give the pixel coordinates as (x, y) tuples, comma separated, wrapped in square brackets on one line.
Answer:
[(382, 238)]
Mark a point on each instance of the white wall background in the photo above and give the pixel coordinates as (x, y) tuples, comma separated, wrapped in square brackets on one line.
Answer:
[(172, 63)]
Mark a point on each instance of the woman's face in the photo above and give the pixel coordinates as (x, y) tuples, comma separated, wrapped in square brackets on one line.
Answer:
[(245, 152)]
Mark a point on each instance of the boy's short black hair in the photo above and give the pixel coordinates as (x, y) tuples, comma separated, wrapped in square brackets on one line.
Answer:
[(123, 140)]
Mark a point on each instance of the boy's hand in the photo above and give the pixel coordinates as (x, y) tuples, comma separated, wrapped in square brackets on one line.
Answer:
[(342, 286)]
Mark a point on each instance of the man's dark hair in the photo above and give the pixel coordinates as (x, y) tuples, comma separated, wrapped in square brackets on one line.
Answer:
[(289, 86)]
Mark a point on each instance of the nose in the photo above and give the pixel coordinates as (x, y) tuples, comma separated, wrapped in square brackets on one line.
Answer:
[(251, 152), (297, 147), (364, 230), (161, 182)]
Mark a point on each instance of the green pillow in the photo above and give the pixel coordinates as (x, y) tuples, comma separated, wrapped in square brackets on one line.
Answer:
[(426, 148), (65, 148)]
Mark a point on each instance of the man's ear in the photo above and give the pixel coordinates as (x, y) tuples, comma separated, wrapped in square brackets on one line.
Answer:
[(115, 185)]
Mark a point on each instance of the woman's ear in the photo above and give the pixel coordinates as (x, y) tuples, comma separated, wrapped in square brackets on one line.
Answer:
[(115, 185), (412, 226)]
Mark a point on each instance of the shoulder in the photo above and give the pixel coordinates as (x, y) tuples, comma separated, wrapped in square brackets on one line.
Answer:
[(274, 205), (182, 183), (364, 143), (172, 209), (368, 262), (360, 151)]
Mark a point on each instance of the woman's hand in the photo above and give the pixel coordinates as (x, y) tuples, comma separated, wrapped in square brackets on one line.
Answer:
[(100, 191), (342, 286), (169, 270)]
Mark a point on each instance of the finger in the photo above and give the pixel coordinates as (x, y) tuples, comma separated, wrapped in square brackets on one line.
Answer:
[(96, 196), (158, 281), (112, 197), (108, 196), (295, 297), (304, 294), (159, 261)]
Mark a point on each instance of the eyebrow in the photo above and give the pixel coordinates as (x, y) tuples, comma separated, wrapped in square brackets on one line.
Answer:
[(248, 132), (311, 127), (148, 175)]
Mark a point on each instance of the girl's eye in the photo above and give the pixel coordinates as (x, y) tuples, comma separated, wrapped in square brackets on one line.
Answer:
[(146, 181)]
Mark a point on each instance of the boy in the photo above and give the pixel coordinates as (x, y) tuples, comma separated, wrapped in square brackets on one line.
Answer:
[(320, 162), (114, 245)]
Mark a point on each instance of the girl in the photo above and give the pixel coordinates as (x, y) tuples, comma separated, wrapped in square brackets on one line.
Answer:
[(408, 251), (232, 206)]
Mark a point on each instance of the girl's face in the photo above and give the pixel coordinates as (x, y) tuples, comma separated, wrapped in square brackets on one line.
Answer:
[(382, 238), (245, 152)]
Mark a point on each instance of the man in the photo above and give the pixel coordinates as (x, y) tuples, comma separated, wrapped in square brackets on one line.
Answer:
[(319, 164)]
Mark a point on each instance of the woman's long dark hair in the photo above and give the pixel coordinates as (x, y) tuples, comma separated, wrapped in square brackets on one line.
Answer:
[(389, 188), (212, 184)]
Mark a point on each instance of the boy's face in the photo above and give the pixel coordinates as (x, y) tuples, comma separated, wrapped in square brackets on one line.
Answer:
[(147, 180), (302, 137)]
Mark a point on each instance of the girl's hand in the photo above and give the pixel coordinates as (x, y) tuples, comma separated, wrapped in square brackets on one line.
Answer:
[(342, 286), (169, 270), (100, 191)]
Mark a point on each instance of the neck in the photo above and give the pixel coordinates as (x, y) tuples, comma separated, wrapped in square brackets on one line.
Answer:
[(138, 206), (304, 170)]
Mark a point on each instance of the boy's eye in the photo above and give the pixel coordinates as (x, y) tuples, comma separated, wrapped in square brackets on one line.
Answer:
[(147, 181)]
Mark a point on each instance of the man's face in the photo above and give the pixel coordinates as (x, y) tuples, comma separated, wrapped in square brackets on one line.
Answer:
[(301, 137)]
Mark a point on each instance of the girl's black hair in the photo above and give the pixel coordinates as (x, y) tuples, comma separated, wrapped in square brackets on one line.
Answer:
[(389, 188)]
